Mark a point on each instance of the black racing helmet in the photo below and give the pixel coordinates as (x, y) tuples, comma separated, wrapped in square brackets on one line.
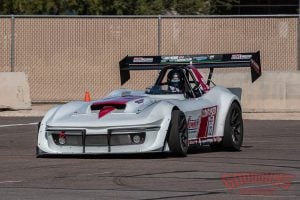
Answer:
[(176, 79)]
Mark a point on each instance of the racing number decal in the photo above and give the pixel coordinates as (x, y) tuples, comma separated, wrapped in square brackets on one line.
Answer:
[(207, 122)]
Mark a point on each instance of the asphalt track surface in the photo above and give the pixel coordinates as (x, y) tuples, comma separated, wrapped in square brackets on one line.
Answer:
[(271, 148)]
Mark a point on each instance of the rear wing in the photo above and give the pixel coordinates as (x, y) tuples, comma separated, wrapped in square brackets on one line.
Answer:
[(201, 61)]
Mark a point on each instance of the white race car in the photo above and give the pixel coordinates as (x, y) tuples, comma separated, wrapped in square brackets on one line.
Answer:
[(179, 111)]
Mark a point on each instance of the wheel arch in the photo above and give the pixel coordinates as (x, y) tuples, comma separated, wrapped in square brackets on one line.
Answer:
[(237, 102), (177, 145), (223, 108), (166, 145), (175, 108)]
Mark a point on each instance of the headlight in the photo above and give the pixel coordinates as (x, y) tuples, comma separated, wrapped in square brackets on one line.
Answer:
[(126, 137)]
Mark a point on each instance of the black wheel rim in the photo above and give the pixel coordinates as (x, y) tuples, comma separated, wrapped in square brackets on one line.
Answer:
[(183, 133), (236, 125)]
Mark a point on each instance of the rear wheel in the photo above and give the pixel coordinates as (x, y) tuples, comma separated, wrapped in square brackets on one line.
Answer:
[(233, 131), (178, 134)]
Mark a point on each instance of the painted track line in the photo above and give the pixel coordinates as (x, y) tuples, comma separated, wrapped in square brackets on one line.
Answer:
[(2, 182), (14, 125)]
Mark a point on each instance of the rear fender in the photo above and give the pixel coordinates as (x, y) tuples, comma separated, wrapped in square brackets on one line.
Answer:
[(224, 106), (223, 98)]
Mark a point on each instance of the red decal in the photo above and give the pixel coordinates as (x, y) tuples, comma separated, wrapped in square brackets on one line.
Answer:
[(104, 111), (203, 127), (207, 123)]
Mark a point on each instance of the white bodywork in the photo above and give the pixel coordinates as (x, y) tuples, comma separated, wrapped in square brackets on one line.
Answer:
[(144, 114)]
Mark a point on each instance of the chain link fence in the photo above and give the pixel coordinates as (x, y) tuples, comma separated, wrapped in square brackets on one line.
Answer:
[(65, 56)]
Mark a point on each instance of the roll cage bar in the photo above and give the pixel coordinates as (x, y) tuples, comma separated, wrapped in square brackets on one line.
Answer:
[(188, 91)]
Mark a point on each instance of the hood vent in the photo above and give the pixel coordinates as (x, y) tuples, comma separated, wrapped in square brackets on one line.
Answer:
[(101, 105)]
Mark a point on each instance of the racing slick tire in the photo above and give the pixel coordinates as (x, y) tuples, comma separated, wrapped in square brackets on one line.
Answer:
[(233, 131), (178, 134)]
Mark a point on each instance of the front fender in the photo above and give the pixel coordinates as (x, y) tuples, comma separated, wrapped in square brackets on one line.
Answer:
[(42, 140), (162, 110)]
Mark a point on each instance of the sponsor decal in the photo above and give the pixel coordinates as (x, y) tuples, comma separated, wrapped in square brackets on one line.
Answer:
[(175, 59), (139, 101), (193, 125), (211, 57), (142, 60), (194, 141), (257, 183), (210, 128), (200, 58), (209, 111), (240, 56), (207, 122)]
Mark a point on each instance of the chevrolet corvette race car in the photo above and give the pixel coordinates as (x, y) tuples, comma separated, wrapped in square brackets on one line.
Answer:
[(179, 111)]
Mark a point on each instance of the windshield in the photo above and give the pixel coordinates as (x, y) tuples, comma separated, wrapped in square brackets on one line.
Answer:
[(161, 89)]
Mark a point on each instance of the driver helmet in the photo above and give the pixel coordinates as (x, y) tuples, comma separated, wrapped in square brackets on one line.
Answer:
[(175, 80)]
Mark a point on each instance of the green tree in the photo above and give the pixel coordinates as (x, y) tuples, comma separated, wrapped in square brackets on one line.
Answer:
[(192, 7), (221, 6), (118, 7), (6, 7), (115, 7), (145, 7), (28, 7), (53, 7), (94, 7)]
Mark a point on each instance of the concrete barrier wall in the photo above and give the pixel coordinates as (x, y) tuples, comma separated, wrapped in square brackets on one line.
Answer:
[(272, 92), (14, 91)]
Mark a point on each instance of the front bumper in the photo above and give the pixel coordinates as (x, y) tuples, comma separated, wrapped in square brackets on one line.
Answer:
[(66, 141)]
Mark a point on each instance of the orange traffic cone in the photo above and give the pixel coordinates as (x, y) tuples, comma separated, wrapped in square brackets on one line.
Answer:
[(87, 96)]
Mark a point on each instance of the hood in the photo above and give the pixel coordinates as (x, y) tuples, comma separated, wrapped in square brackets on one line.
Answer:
[(107, 112), (127, 104)]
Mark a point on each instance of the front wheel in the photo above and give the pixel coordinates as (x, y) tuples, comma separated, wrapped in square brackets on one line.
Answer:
[(233, 131), (178, 134)]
